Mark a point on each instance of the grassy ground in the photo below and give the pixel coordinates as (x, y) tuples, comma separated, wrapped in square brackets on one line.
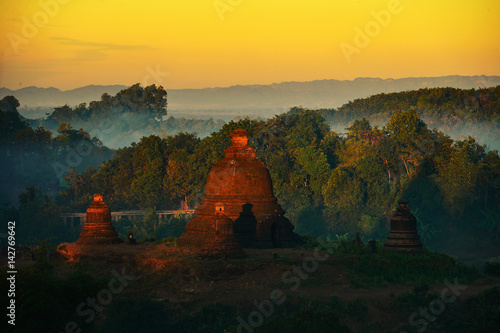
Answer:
[(349, 290)]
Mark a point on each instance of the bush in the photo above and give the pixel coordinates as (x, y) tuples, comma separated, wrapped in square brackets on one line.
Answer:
[(144, 230), (172, 227), (484, 310), (318, 321), (170, 239), (385, 268), (131, 315), (209, 318), (47, 302), (492, 268), (310, 221)]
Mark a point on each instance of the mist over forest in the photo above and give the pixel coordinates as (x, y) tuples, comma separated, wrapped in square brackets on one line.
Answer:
[(459, 113), (335, 171)]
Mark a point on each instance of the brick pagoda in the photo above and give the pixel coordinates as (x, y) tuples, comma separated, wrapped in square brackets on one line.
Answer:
[(98, 228), (403, 236), (243, 184)]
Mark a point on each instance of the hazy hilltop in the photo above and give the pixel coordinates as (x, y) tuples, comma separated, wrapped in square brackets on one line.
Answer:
[(50, 97), (253, 100), (314, 94)]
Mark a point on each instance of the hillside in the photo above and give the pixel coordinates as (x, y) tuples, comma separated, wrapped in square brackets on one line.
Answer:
[(253, 100)]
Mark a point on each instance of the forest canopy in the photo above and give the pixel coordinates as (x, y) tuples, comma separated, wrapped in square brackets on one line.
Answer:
[(150, 101), (453, 111), (126, 117), (329, 183)]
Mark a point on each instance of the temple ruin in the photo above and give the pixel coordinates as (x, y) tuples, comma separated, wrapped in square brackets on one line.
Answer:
[(221, 242), (98, 228), (244, 185), (403, 236)]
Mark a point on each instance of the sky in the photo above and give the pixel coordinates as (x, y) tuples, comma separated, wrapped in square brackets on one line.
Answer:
[(217, 43)]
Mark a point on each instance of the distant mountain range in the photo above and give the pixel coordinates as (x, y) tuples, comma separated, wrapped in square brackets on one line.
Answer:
[(257, 100)]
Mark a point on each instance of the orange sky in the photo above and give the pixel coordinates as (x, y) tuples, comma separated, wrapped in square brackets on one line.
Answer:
[(206, 43)]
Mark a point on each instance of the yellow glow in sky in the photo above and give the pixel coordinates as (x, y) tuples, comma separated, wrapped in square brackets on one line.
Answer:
[(207, 43)]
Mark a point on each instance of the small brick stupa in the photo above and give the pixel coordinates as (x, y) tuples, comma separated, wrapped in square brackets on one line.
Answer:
[(221, 242), (243, 184), (98, 228), (403, 236)]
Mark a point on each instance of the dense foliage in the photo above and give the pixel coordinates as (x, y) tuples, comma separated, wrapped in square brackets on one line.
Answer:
[(151, 227), (34, 157), (329, 184), (124, 118), (149, 101), (453, 111)]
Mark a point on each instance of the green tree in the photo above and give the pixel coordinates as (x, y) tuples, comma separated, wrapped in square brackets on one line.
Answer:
[(458, 175), (344, 198), (359, 128), (9, 104)]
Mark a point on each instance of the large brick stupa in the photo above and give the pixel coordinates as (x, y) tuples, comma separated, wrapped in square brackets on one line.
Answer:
[(98, 228), (243, 184)]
